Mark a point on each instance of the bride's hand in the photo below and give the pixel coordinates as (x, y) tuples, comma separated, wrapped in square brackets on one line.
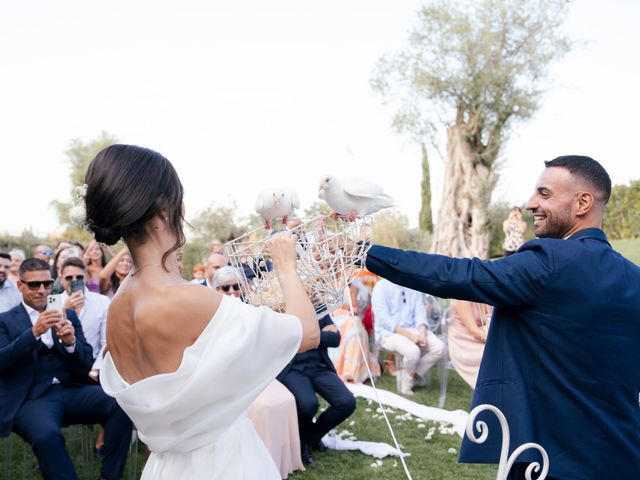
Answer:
[(282, 249)]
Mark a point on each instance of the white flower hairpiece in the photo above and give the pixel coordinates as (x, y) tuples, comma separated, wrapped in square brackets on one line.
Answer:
[(78, 213)]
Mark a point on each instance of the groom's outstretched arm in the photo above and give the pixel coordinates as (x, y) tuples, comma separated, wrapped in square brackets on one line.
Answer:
[(519, 279)]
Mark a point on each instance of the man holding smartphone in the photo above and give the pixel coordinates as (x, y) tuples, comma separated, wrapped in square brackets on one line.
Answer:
[(90, 307), (44, 383)]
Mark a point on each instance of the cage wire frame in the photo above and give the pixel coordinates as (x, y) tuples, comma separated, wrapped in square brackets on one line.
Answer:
[(329, 254)]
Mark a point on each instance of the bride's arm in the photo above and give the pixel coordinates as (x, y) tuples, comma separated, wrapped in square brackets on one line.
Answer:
[(283, 255)]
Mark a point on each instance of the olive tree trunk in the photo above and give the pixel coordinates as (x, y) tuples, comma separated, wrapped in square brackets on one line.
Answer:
[(462, 227)]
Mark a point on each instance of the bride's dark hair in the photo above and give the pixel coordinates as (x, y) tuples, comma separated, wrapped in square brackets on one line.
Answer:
[(127, 186)]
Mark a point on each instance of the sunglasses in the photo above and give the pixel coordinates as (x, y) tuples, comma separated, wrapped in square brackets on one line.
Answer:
[(70, 278), (226, 288), (45, 252), (36, 284)]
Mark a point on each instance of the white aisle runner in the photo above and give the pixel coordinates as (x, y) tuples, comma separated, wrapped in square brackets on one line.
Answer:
[(457, 418)]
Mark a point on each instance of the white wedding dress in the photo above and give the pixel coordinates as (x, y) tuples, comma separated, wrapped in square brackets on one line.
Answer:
[(193, 419)]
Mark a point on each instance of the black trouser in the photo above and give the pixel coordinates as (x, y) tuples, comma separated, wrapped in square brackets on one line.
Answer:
[(39, 422), (325, 382)]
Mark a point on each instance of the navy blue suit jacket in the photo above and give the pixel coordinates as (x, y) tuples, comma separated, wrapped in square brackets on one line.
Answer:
[(18, 357), (562, 359), (327, 339)]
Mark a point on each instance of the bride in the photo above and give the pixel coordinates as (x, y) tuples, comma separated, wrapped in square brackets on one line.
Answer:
[(184, 361)]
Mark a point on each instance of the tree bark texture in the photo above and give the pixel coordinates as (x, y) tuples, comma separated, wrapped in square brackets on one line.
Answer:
[(462, 227)]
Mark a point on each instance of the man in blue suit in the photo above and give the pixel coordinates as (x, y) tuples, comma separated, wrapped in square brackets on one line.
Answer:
[(310, 372), (562, 358), (44, 382)]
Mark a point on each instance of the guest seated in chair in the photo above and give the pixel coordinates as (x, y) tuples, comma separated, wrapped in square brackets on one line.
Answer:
[(228, 281), (91, 308), (348, 359), (312, 372), (44, 383), (467, 335), (401, 328)]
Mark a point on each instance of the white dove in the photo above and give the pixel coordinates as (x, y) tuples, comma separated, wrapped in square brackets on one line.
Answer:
[(276, 202), (353, 197)]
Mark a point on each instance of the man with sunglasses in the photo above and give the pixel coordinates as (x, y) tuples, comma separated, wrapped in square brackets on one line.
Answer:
[(9, 294), (227, 280), (43, 252), (44, 384), (90, 307)]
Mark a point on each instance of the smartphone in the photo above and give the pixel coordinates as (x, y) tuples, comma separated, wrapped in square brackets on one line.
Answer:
[(77, 286), (54, 302)]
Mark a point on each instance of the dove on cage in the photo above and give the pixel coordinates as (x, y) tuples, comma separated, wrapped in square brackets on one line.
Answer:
[(353, 197), (329, 254), (276, 202)]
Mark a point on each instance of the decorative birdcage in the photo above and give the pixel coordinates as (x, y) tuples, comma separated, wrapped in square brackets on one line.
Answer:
[(329, 253)]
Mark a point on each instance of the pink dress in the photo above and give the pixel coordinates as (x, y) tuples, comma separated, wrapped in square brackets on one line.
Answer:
[(275, 418), (347, 358), (464, 350)]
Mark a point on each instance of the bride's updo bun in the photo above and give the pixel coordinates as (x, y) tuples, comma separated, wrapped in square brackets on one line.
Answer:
[(127, 186)]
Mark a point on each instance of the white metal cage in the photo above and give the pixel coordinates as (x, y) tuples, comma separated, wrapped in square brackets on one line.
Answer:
[(329, 253)]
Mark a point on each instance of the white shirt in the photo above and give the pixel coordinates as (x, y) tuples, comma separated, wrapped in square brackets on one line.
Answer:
[(93, 318), (9, 296), (47, 337), (394, 305)]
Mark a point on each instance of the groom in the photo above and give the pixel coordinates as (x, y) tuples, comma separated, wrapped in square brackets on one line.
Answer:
[(562, 358), (44, 382)]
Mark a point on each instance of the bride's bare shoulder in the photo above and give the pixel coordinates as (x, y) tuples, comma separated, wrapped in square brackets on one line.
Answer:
[(178, 311)]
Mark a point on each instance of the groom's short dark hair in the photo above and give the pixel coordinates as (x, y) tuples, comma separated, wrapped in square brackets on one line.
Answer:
[(587, 169)]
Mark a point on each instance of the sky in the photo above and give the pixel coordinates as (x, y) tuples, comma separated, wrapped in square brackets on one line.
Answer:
[(249, 94)]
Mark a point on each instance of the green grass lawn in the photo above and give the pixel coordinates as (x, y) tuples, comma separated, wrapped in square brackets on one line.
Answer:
[(628, 248), (430, 459)]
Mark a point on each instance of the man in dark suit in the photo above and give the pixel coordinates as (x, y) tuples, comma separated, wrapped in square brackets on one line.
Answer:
[(44, 382), (310, 372), (562, 358)]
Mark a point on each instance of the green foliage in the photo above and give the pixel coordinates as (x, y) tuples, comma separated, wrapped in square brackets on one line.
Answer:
[(426, 217), (26, 242), (629, 249), (194, 252), (391, 228), (622, 217), (217, 224), (79, 154), (317, 208), (472, 69), (479, 64)]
